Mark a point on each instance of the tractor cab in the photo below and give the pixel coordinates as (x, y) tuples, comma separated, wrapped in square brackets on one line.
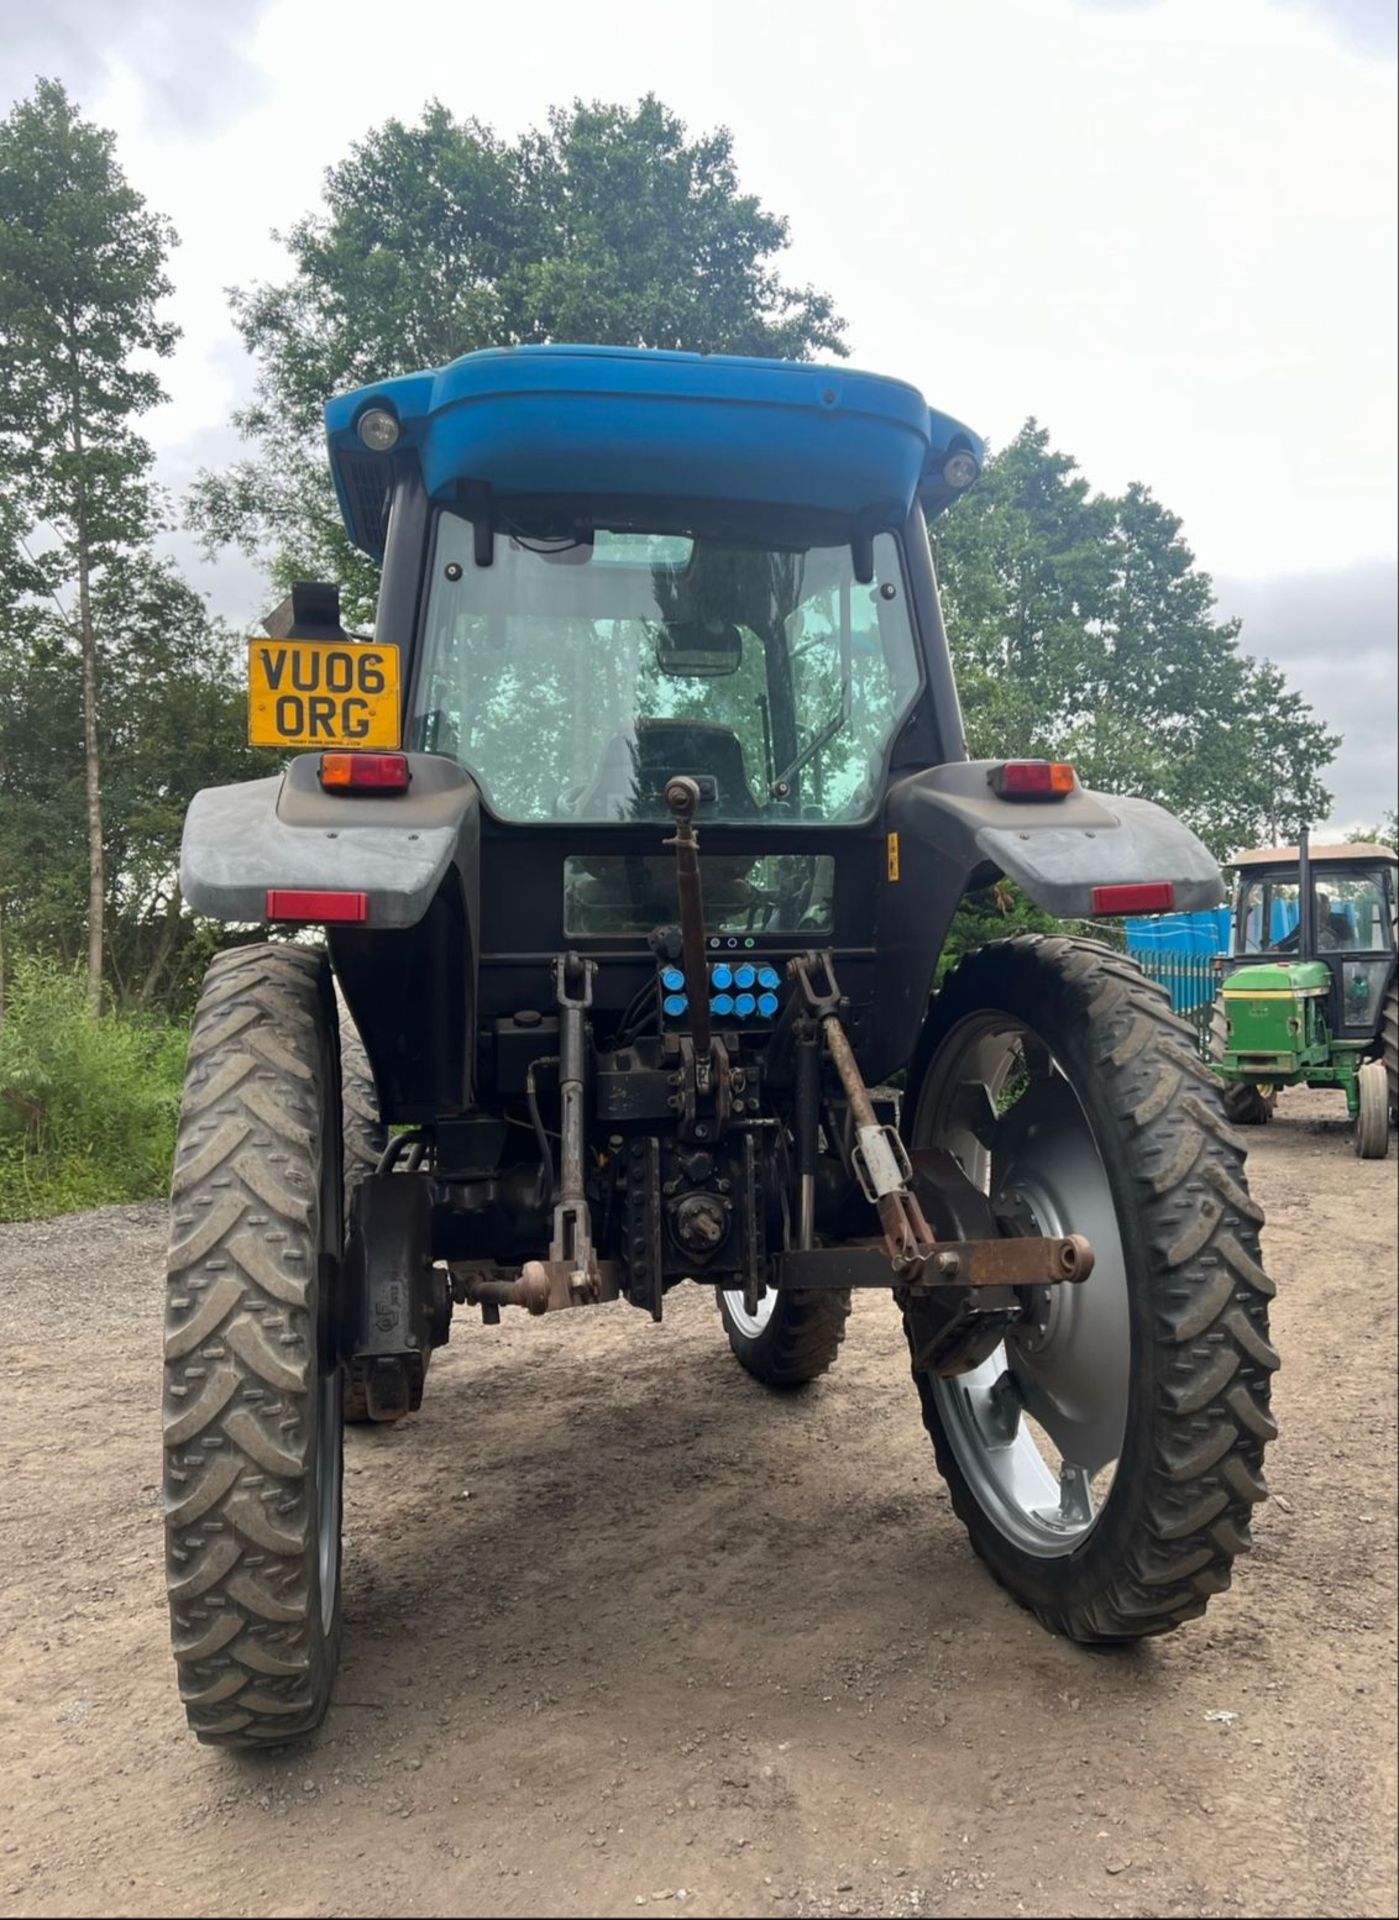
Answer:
[(1342, 950), (1309, 982), (606, 571)]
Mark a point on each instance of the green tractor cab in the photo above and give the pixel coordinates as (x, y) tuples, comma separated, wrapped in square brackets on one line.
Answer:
[(1308, 995)]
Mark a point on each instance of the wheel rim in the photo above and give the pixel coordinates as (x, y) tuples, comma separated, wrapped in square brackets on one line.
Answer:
[(1037, 1428), (750, 1324)]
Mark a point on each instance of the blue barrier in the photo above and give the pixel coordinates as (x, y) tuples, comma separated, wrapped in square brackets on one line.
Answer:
[(1178, 950), (1180, 933)]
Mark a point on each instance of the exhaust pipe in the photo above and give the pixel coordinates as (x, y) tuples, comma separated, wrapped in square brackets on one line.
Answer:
[(1306, 905)]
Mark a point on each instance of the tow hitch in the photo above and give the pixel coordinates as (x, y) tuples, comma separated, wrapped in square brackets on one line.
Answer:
[(979, 1253)]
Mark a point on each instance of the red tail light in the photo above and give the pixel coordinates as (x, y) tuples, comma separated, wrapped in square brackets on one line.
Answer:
[(289, 903), (365, 772), (1034, 779), (1145, 896)]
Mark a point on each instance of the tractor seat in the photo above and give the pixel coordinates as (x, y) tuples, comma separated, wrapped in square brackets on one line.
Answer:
[(631, 777)]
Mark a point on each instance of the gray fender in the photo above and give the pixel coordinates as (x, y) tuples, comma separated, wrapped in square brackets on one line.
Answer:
[(1057, 850), (286, 832)]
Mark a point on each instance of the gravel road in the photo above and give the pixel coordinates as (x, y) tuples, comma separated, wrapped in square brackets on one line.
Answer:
[(623, 1632)]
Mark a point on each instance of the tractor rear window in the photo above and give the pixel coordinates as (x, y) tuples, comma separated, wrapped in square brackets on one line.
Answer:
[(574, 676), (743, 895)]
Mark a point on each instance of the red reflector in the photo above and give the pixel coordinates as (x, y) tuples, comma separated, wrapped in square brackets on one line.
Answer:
[(367, 772), (1034, 779), (287, 903), (1143, 896)]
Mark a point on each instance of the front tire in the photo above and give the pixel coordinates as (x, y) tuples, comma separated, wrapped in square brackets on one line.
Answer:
[(791, 1339), (1372, 1120), (1058, 1076), (252, 1386)]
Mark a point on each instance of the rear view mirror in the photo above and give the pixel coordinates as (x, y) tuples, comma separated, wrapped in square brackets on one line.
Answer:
[(699, 650)]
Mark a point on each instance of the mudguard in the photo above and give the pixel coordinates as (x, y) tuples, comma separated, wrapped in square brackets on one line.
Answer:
[(1058, 851), (286, 832)]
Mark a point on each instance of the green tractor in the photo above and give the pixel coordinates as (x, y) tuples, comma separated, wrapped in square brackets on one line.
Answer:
[(1309, 995)]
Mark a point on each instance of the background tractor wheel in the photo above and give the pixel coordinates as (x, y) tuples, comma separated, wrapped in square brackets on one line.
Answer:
[(1372, 1121), (1246, 1106), (252, 1405), (1106, 1458), (366, 1137), (1389, 1048), (791, 1338)]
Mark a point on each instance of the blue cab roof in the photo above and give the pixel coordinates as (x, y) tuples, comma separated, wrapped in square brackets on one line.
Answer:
[(616, 422)]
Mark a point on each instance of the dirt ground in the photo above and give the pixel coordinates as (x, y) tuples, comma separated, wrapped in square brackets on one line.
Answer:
[(625, 1632)]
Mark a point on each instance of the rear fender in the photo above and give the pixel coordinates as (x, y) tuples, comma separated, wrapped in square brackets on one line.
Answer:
[(408, 970), (950, 833), (288, 833), (1059, 851)]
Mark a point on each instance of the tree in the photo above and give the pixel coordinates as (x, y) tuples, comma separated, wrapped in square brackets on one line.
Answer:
[(1277, 754), (608, 225), (171, 721), (1386, 834), (1083, 630), (82, 273)]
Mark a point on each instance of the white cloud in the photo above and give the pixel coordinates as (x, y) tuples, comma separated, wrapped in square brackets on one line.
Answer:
[(1166, 229), (188, 60), (1333, 633), (1368, 27)]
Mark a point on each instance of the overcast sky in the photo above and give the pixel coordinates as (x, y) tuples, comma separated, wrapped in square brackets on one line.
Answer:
[(1165, 227)]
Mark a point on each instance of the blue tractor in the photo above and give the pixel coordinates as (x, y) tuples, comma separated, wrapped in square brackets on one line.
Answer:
[(603, 893)]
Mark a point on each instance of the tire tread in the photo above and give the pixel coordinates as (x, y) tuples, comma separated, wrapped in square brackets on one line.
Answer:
[(800, 1342), (240, 1353), (1212, 1361)]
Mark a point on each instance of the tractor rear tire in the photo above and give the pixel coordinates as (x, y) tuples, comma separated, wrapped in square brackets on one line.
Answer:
[(1244, 1105), (1389, 1048), (793, 1337), (1372, 1121), (1168, 1335), (252, 1407), (366, 1137)]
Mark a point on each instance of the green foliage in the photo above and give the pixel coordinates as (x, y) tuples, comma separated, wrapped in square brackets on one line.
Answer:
[(1082, 629), (119, 697), (1386, 834), (87, 1107), (608, 225), (82, 271), (172, 720), (994, 913)]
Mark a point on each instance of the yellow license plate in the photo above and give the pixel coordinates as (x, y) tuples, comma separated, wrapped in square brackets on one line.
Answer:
[(322, 693)]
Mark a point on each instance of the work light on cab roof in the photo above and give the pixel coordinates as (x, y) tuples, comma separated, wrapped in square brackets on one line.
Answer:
[(635, 834)]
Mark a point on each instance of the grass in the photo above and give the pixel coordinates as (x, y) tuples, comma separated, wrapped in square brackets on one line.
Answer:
[(87, 1107)]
